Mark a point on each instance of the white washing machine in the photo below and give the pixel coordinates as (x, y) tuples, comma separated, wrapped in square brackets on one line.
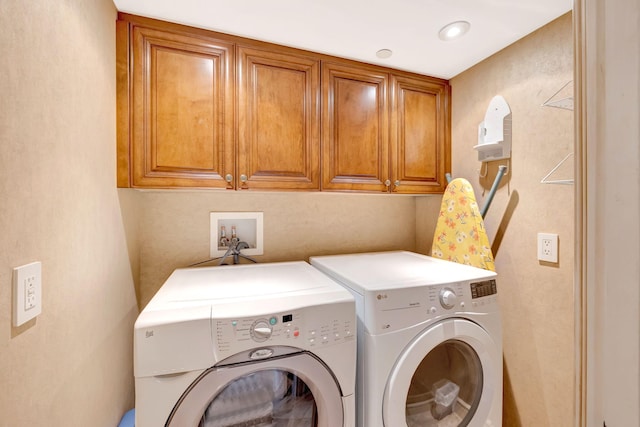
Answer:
[(429, 340), (246, 345)]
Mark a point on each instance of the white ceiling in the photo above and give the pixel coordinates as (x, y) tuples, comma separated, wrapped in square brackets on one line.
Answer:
[(357, 29)]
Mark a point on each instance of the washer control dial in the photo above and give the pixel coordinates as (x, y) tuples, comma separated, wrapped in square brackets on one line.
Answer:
[(261, 331), (447, 298)]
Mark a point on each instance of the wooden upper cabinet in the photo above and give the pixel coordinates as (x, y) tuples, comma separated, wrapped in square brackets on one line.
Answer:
[(278, 120), (182, 110), (383, 131), (355, 138), (201, 109), (420, 135)]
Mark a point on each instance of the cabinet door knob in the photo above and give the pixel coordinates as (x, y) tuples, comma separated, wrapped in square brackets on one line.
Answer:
[(228, 177), (387, 183), (243, 178), (396, 182)]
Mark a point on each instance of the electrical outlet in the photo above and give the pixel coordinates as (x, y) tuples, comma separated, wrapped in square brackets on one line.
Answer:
[(548, 247), (27, 292)]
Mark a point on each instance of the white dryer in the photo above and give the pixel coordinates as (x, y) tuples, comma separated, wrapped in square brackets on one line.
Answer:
[(260, 345), (429, 340)]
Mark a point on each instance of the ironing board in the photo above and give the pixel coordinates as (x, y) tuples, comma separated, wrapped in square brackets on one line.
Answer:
[(460, 235)]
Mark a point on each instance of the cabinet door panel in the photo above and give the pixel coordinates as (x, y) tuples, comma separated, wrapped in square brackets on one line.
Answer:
[(355, 129), (183, 110), (278, 139), (419, 135)]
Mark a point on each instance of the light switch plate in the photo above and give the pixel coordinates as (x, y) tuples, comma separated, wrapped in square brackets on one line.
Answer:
[(27, 292)]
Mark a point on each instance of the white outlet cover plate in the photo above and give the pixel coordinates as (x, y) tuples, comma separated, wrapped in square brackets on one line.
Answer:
[(548, 247), (27, 292), (249, 227)]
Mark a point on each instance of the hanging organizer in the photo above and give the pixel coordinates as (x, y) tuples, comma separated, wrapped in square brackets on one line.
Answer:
[(494, 133), (563, 98), (460, 235), (494, 142)]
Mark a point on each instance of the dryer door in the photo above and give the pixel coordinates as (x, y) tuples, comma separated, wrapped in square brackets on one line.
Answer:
[(451, 373), (292, 390)]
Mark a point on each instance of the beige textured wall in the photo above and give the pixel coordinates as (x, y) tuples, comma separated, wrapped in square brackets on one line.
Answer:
[(537, 299), (427, 210), (174, 226), (72, 365)]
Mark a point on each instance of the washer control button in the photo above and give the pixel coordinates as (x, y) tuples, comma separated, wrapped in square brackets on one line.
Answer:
[(433, 310), (260, 331), (447, 298)]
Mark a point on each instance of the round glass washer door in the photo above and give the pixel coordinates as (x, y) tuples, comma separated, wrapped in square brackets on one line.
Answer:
[(447, 375), (296, 390)]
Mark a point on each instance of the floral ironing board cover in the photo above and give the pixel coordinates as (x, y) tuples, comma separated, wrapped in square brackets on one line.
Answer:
[(460, 235)]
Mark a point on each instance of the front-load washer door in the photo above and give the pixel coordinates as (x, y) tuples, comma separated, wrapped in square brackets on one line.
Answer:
[(450, 374), (292, 390)]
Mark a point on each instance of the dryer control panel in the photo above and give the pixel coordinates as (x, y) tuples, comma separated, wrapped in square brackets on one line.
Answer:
[(306, 329), (483, 289), (394, 309)]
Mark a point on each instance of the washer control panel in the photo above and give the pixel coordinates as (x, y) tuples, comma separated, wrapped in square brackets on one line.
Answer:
[(298, 328)]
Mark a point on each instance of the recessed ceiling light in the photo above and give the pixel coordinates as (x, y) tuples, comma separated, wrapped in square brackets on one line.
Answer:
[(384, 53), (454, 30)]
